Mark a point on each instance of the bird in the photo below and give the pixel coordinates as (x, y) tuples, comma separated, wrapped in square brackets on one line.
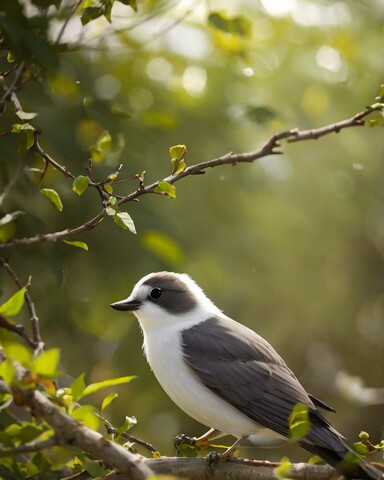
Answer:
[(226, 376)]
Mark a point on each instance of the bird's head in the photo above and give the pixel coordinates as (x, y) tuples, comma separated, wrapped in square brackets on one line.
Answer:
[(164, 298)]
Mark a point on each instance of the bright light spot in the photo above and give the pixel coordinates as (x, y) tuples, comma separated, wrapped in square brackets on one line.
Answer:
[(329, 58), (276, 168), (107, 87), (188, 41), (357, 166), (278, 8), (248, 71), (311, 13), (194, 80), (159, 69)]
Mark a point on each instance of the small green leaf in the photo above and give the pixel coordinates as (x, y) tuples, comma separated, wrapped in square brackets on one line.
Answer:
[(11, 57), (108, 400), (314, 460), (46, 363), (19, 352), (178, 152), (282, 471), (130, 3), (124, 220), (95, 387), (360, 448), (26, 137), (14, 304), (299, 423), (80, 184), (166, 189), (7, 370), (77, 243), (78, 387), (110, 211), (91, 13), (86, 414), (53, 197), (129, 422), (95, 469), (108, 188), (26, 115)]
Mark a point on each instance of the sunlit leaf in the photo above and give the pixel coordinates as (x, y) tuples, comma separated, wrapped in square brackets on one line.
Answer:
[(7, 370), (53, 197), (166, 188), (26, 115), (282, 471), (77, 243), (108, 400), (178, 151), (299, 423), (46, 363), (124, 220), (360, 448), (26, 137), (78, 386), (108, 188), (14, 304), (80, 184), (86, 415), (95, 387), (18, 352)]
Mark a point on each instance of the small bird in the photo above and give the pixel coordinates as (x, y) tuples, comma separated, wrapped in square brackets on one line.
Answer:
[(225, 375)]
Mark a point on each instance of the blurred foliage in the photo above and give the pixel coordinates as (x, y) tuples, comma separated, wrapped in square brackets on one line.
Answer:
[(291, 245)]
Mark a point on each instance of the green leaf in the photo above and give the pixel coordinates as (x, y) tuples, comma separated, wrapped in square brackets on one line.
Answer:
[(53, 197), (26, 137), (80, 184), (178, 152), (86, 415), (26, 115), (46, 363), (130, 3), (7, 370), (108, 400), (14, 304), (166, 189), (299, 423), (95, 469), (78, 387), (90, 14), (282, 471), (19, 352), (124, 220), (239, 25), (95, 387), (108, 188), (360, 448), (77, 243), (129, 422)]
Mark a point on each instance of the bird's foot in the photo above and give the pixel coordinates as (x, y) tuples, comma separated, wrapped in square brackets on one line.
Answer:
[(185, 446), (182, 439)]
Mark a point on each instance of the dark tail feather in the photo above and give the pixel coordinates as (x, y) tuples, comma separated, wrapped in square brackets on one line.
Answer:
[(323, 440)]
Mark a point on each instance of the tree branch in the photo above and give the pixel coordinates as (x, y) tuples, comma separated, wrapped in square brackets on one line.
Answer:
[(72, 434), (270, 147)]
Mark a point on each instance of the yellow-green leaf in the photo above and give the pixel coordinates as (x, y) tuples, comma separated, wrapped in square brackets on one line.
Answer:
[(108, 188), (77, 243), (86, 415), (166, 189), (7, 371), (299, 423), (178, 152), (19, 352), (47, 362), (95, 387), (108, 400), (282, 471), (78, 386), (53, 197), (14, 304), (80, 184), (124, 220)]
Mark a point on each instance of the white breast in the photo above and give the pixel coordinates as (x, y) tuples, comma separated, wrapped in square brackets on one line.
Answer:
[(164, 355)]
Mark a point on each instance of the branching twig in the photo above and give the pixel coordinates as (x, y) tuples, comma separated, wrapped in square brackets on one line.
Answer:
[(130, 438), (37, 148), (32, 446), (270, 147), (18, 329)]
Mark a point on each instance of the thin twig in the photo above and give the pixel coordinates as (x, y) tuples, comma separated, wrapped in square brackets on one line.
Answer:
[(270, 147), (37, 148), (10, 184), (36, 342), (31, 446), (10, 90), (68, 18)]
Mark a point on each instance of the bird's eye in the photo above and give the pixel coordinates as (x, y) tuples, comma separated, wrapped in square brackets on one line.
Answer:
[(156, 293)]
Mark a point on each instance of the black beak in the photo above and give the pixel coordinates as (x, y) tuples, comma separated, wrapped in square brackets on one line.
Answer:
[(125, 305)]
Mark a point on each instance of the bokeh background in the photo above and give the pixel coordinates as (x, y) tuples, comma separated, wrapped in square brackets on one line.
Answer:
[(292, 245)]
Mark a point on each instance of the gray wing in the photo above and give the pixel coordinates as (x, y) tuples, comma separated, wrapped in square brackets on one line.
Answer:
[(243, 369)]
